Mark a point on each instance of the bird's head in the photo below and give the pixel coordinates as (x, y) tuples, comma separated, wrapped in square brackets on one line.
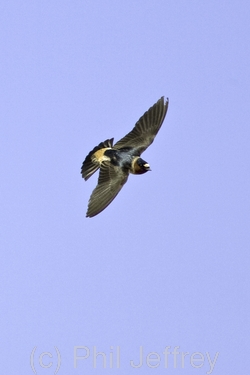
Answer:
[(143, 166)]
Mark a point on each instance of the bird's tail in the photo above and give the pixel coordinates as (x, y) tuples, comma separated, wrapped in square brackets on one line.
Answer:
[(90, 164)]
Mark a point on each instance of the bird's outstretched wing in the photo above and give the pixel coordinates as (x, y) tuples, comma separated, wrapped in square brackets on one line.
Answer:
[(146, 128), (111, 180)]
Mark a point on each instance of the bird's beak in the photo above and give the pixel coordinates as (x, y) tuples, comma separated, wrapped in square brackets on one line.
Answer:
[(147, 166)]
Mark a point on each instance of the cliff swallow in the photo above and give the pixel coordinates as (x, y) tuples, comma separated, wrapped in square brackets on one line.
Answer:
[(118, 160)]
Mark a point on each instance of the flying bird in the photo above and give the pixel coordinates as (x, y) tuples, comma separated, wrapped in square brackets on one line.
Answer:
[(117, 161)]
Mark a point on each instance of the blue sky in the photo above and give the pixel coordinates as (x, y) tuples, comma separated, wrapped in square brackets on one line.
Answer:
[(167, 263)]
